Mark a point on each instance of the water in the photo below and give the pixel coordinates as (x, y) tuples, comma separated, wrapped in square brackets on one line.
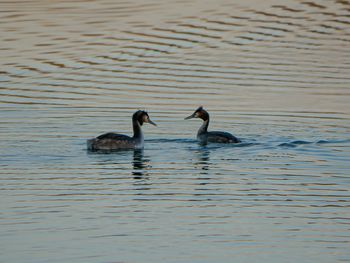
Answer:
[(275, 74)]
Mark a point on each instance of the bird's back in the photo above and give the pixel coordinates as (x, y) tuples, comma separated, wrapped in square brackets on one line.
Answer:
[(111, 141), (113, 136), (221, 137)]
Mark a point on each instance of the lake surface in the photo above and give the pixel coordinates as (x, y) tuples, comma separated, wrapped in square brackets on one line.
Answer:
[(274, 73)]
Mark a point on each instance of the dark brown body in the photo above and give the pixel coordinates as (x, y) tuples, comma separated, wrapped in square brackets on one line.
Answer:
[(204, 136), (114, 141)]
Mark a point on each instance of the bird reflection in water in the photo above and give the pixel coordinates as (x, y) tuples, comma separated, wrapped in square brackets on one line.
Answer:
[(203, 159), (140, 165), (202, 163)]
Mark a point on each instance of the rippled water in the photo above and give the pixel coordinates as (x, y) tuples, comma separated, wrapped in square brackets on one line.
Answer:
[(274, 73)]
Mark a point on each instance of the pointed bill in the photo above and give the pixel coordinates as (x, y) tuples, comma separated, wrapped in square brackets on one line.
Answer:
[(151, 122), (190, 117)]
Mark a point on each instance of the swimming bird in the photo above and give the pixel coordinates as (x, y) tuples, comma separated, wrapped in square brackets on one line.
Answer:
[(114, 141), (204, 136)]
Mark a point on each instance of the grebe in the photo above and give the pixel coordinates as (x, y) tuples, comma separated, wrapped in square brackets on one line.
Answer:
[(214, 136), (114, 141)]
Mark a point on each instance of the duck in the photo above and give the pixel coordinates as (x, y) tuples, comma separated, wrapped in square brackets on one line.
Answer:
[(204, 136), (114, 141)]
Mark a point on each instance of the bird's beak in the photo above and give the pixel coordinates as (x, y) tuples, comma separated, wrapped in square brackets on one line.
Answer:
[(151, 122), (190, 117)]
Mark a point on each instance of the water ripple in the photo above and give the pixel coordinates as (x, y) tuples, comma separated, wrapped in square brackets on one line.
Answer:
[(274, 74)]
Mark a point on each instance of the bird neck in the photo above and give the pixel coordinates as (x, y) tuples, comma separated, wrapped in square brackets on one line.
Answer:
[(204, 128), (137, 130)]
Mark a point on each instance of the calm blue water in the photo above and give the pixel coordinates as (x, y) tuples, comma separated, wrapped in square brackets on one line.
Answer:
[(274, 75)]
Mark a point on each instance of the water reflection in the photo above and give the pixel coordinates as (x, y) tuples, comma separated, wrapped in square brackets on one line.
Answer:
[(275, 72), (203, 159), (140, 165)]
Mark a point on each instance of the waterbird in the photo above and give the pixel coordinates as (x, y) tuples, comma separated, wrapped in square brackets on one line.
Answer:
[(115, 141), (204, 136)]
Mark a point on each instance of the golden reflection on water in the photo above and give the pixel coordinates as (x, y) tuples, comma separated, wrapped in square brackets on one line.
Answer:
[(234, 56)]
